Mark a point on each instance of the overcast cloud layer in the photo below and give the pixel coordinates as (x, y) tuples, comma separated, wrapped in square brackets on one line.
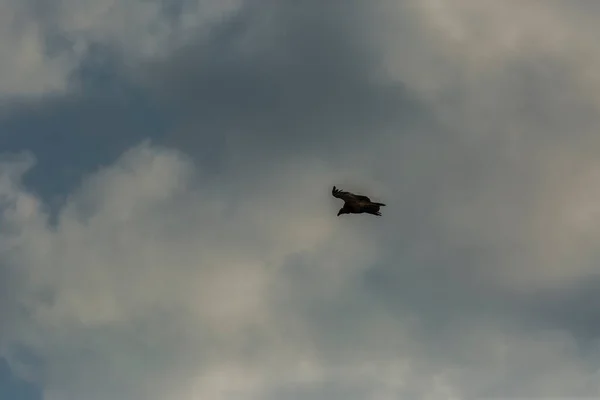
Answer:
[(167, 229)]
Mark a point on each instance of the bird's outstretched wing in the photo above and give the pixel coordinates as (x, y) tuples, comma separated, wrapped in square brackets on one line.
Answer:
[(347, 196)]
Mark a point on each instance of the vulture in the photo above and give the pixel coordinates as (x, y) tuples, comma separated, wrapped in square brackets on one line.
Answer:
[(356, 203)]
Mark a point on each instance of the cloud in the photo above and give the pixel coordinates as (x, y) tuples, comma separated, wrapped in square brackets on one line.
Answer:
[(262, 85), (135, 247), (150, 277), (209, 263), (44, 44)]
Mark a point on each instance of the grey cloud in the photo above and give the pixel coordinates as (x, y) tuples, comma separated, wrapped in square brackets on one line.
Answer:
[(451, 292), (281, 78), (571, 307)]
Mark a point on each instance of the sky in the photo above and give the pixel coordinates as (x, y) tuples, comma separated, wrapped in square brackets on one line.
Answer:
[(167, 229)]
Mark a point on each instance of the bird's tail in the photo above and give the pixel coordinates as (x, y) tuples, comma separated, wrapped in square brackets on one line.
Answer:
[(379, 204)]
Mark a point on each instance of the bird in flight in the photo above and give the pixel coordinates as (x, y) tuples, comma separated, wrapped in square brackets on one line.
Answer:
[(356, 203)]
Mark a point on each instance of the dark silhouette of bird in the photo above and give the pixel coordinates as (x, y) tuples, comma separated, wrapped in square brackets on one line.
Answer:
[(356, 203)]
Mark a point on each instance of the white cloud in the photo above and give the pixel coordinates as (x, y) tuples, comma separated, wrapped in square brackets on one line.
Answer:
[(514, 85), (472, 42), (140, 257), (137, 29)]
